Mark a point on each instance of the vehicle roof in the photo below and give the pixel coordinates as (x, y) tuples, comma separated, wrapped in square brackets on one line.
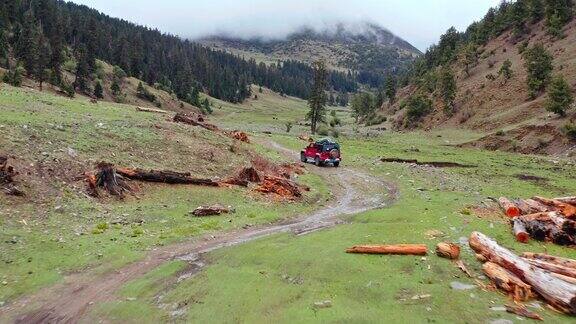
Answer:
[(326, 141)]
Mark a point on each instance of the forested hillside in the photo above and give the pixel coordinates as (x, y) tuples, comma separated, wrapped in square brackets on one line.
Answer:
[(371, 52), (39, 39), (510, 75)]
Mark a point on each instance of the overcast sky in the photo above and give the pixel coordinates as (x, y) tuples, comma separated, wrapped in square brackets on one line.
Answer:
[(420, 22)]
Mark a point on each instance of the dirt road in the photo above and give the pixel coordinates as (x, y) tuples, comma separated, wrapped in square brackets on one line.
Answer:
[(69, 301)]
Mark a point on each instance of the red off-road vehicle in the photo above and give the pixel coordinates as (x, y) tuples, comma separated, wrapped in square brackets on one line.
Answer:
[(321, 153)]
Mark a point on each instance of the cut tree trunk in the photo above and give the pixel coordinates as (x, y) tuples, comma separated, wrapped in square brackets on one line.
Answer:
[(523, 311), (525, 208), (536, 206), (448, 250), (211, 210), (194, 121), (401, 249), (509, 207), (567, 225), (558, 293), (169, 177), (567, 210), (152, 110), (520, 231), (507, 281), (565, 262), (567, 200), (565, 271), (112, 182)]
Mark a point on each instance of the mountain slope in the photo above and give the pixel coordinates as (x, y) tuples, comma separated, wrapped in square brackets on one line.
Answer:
[(363, 47), (488, 103), (43, 37)]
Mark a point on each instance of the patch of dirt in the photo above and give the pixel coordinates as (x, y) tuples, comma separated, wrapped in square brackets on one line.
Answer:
[(530, 139), (433, 163), (68, 302)]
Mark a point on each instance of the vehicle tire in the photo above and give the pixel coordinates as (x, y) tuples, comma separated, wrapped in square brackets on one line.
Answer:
[(317, 162), (336, 164), (303, 158)]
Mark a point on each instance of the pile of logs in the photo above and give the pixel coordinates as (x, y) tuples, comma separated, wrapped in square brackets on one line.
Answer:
[(542, 219), (531, 275), (270, 178), (7, 174), (241, 136)]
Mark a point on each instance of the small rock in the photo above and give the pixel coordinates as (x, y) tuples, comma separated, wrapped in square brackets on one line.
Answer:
[(461, 286), (498, 308), (4, 283), (72, 152), (501, 321), (323, 304)]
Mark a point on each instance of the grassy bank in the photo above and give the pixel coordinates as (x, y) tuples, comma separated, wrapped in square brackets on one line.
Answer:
[(56, 229), (287, 278)]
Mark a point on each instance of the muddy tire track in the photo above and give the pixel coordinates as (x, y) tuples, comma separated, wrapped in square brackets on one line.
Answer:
[(69, 301)]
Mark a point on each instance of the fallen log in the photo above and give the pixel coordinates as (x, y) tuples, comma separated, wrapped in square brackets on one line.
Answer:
[(194, 121), (567, 225), (400, 249), (507, 281), (550, 226), (525, 208), (560, 294), (523, 311), (520, 231), (152, 110), (536, 206), (448, 250), (565, 262), (567, 210), (211, 210), (567, 200), (509, 207), (565, 271), (169, 177)]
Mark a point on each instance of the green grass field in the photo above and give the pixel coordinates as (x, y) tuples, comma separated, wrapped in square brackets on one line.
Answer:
[(282, 278), (57, 229)]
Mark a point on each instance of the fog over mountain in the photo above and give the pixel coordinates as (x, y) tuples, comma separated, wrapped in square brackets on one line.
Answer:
[(419, 22)]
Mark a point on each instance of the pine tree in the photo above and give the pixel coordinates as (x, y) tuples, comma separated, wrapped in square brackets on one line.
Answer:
[(506, 70), (115, 88), (558, 13), (518, 15), (206, 106), (538, 63), (82, 70), (559, 96), (469, 55), (535, 10), (447, 88), (43, 72), (391, 88), (57, 44), (317, 99), (27, 43), (98, 90)]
